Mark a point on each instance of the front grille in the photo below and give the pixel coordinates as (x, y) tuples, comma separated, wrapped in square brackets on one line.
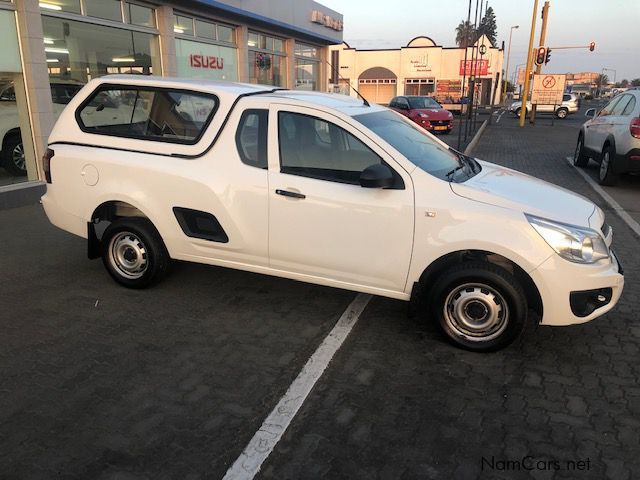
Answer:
[(439, 122)]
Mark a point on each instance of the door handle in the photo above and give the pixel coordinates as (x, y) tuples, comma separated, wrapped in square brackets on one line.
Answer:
[(287, 193)]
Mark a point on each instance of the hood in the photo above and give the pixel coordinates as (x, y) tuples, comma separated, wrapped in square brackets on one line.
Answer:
[(508, 188), (434, 113)]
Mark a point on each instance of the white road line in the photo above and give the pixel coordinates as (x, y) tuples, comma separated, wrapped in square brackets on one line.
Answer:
[(248, 464), (500, 116), (626, 218)]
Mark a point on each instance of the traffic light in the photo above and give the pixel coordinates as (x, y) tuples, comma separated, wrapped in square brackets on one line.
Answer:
[(592, 46), (541, 55), (547, 58)]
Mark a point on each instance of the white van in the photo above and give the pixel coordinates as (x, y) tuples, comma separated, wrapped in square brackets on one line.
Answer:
[(322, 188)]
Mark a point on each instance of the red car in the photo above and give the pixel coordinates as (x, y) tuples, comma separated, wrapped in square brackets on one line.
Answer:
[(425, 111)]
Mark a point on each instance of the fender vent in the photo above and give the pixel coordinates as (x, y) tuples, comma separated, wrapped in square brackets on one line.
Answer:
[(199, 224)]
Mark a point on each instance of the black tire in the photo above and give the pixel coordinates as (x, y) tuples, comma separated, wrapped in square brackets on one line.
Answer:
[(518, 110), (580, 159), (493, 314), (13, 159), (133, 252), (606, 174), (562, 113)]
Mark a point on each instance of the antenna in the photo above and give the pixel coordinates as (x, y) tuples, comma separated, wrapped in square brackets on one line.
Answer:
[(335, 70)]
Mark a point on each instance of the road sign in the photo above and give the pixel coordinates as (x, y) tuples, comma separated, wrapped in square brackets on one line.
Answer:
[(547, 89)]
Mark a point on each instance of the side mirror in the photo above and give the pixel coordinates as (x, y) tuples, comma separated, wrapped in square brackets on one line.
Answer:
[(590, 113), (376, 176)]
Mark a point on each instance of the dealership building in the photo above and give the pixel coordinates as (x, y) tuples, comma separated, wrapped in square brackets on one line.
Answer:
[(421, 67), (50, 48)]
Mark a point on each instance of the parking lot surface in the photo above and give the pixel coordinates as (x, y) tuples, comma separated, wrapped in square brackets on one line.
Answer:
[(97, 381)]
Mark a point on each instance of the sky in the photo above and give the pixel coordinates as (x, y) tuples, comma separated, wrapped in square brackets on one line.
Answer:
[(613, 24)]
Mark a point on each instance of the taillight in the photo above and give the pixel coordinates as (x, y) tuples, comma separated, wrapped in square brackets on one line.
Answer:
[(634, 127), (46, 164)]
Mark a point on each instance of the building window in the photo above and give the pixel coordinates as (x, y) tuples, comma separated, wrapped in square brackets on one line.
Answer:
[(139, 15), (71, 6), (267, 60), (107, 9), (79, 51), (307, 66), (419, 86), (203, 29)]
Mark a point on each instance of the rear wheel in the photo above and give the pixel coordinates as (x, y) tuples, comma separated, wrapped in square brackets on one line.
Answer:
[(133, 252), (580, 159), (13, 159), (479, 306), (562, 113), (606, 175)]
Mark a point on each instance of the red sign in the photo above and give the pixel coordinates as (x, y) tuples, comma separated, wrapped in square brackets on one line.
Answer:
[(479, 67), (206, 61)]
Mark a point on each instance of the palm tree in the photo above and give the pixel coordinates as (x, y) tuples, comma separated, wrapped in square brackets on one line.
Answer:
[(601, 80), (465, 34)]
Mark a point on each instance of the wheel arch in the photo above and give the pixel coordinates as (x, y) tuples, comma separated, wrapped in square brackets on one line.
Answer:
[(441, 264), (110, 210)]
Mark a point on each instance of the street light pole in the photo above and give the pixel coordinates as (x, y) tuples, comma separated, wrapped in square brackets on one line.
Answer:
[(506, 70)]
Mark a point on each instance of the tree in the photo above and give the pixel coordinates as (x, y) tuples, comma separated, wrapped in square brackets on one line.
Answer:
[(624, 83), (635, 82), (488, 26), (601, 80), (466, 35)]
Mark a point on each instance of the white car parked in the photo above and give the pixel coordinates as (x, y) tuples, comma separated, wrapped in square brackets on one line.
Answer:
[(323, 189), (12, 156), (570, 104)]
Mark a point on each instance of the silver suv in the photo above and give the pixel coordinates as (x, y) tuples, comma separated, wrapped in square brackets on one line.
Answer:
[(570, 104), (612, 138)]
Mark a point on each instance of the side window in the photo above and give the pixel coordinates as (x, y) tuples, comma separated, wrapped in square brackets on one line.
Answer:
[(145, 113), (631, 106), (608, 107), (621, 105), (394, 102), (312, 147), (251, 137)]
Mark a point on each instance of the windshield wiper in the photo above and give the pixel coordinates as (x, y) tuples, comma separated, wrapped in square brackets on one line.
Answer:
[(450, 173)]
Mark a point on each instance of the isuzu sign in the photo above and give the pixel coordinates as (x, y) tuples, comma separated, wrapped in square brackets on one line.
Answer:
[(206, 61)]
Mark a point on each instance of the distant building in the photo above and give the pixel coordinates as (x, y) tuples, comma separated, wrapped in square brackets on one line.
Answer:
[(582, 83), (420, 68)]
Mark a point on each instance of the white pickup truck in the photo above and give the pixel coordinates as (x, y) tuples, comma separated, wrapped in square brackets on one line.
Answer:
[(324, 189)]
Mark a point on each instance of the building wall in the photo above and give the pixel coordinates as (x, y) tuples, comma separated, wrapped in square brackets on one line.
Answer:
[(420, 59)]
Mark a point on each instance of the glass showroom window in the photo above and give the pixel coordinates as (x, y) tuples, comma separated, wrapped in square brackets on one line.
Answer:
[(113, 10), (267, 59), (203, 29), (307, 66), (77, 52)]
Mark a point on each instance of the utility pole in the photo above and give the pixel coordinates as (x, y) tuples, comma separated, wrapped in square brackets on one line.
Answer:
[(543, 34), (525, 93)]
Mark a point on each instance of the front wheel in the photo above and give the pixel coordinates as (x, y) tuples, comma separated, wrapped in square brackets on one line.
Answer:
[(479, 306), (133, 252), (562, 113)]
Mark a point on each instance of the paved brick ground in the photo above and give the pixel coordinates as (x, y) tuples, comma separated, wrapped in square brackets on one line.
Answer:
[(101, 382), (173, 382), (397, 402)]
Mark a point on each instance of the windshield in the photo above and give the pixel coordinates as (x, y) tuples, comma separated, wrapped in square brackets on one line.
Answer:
[(423, 102), (416, 144)]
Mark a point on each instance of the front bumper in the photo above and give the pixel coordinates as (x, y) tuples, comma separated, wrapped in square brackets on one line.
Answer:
[(557, 279)]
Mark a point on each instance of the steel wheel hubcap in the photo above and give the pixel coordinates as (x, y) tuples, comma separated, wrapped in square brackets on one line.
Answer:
[(17, 155), (476, 311), (604, 165), (128, 255)]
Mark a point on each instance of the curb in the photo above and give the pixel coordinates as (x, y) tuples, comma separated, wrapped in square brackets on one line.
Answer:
[(21, 194), (476, 137)]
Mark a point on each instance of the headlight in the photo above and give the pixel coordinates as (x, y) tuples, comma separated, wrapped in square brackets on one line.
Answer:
[(423, 115), (576, 244)]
